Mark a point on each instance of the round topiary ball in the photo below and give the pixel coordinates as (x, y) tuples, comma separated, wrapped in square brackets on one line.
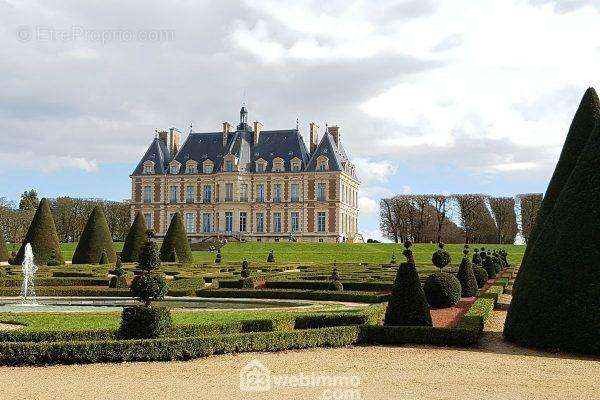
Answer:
[(442, 290), (336, 286), (441, 257), (481, 276)]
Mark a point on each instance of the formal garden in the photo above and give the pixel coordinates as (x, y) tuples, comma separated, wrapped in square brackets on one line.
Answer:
[(148, 299)]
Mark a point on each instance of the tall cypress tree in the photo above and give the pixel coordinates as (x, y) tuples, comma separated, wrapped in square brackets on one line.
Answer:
[(584, 121), (135, 239), (556, 303), (175, 246), (95, 239), (42, 236)]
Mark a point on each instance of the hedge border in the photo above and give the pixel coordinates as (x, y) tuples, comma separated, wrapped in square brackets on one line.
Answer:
[(284, 294)]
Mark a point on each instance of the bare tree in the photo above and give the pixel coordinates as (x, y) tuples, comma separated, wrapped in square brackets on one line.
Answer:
[(441, 206), (503, 210), (529, 205), (388, 221)]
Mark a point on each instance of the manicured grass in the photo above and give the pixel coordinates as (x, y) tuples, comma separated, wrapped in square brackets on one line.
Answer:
[(285, 252)]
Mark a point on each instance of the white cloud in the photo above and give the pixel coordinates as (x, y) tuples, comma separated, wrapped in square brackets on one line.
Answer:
[(368, 206), (374, 171), (47, 163)]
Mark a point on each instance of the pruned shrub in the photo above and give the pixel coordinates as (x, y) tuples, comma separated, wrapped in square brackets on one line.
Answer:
[(271, 257), (466, 276), (42, 236), (490, 267), (442, 290), (175, 246), (148, 287), (118, 282), (103, 258), (95, 239), (407, 305), (481, 276), (136, 236), (336, 286), (218, 257), (53, 261), (145, 322), (247, 283), (476, 257), (441, 257)]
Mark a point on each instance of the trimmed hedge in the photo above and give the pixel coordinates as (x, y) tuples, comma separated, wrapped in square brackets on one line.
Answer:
[(72, 274), (136, 236), (80, 291), (39, 282), (324, 285), (95, 240), (142, 322), (359, 297), (42, 236), (175, 246)]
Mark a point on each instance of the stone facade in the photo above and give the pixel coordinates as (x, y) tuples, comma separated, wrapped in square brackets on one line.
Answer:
[(273, 194)]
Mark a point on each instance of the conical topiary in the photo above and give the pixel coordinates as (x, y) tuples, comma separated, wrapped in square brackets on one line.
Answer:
[(556, 303), (407, 305), (585, 119), (42, 236), (175, 246), (466, 276), (135, 239), (95, 239), (4, 256)]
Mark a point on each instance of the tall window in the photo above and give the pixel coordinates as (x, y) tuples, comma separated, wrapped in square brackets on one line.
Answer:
[(277, 222), (260, 193), (296, 167), (190, 194), (260, 222), (207, 194), (147, 194), (295, 192), (260, 167), (172, 194), (229, 166), (321, 222), (174, 169), (228, 221), (295, 221), (244, 192), (229, 192), (206, 222), (148, 218), (277, 193), (190, 169), (190, 222), (243, 220), (321, 191), (207, 168)]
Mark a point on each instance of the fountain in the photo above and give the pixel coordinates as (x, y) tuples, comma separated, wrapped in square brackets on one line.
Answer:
[(29, 268)]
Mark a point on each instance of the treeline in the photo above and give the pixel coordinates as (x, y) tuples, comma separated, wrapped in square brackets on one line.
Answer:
[(458, 218), (70, 215)]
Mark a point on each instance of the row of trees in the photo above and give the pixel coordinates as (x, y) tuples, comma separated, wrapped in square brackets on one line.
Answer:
[(459, 218), (70, 216)]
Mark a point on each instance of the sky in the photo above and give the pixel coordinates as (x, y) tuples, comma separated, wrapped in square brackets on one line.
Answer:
[(431, 96)]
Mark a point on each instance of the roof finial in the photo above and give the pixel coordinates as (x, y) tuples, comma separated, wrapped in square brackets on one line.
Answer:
[(297, 122), (155, 133), (191, 126)]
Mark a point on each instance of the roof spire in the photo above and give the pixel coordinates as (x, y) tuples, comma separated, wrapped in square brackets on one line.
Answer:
[(297, 122), (191, 126), (155, 133)]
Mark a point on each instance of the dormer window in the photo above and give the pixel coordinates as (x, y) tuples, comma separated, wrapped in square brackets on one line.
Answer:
[(229, 166), (148, 168), (261, 165), (322, 163), (278, 165), (296, 164), (207, 167), (174, 168), (191, 167)]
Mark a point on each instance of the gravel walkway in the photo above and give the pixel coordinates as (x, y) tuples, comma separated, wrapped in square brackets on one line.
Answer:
[(494, 370)]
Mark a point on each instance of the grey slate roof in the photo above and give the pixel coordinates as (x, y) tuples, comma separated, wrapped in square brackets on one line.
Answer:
[(285, 144), (159, 154)]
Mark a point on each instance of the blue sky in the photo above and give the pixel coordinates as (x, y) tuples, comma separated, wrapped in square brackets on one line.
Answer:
[(431, 96)]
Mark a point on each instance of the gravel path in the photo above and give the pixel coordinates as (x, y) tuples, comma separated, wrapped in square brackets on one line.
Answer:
[(494, 370)]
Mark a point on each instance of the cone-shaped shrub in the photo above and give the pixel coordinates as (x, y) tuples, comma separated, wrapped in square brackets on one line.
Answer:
[(407, 305), (95, 239), (175, 246), (466, 276), (556, 303), (135, 239), (42, 236), (4, 256), (271, 257), (481, 276)]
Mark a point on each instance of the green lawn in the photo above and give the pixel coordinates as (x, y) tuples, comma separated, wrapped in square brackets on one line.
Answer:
[(285, 252)]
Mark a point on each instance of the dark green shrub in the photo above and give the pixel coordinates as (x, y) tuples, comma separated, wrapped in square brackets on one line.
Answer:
[(247, 283), (556, 294), (95, 239), (135, 239), (219, 257), (442, 290), (148, 287), (42, 236), (476, 257), (393, 260), (407, 305), (175, 246), (271, 257), (139, 322), (245, 272), (103, 258), (466, 276), (335, 276), (481, 276), (490, 267), (118, 271), (336, 286), (52, 261), (118, 282), (441, 257), (149, 259)]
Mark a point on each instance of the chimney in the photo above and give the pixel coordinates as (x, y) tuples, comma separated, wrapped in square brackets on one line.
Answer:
[(164, 137), (335, 132), (226, 129), (314, 137), (174, 140), (257, 128)]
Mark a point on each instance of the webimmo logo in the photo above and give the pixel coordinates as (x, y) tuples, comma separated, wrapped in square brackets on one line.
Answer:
[(255, 377)]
